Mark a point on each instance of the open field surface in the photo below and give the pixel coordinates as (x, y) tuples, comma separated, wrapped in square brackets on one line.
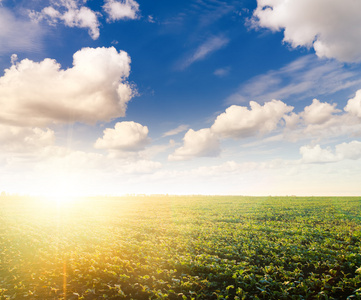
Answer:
[(181, 248)]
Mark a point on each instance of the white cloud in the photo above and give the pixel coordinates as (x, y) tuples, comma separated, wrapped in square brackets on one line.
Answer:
[(209, 46), (291, 120), (18, 34), (353, 106), (222, 72), (126, 136), (350, 150), (303, 78), (20, 139), (315, 154), (331, 27), (13, 59), (124, 9), (321, 120), (52, 13), (83, 18), (318, 121), (240, 122), (151, 19), (319, 112), (197, 144), (40, 93), (72, 14), (175, 131), (336, 127)]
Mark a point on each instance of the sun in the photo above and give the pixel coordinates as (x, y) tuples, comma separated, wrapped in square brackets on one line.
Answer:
[(63, 190)]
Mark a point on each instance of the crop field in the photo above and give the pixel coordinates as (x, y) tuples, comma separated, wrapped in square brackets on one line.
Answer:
[(173, 247)]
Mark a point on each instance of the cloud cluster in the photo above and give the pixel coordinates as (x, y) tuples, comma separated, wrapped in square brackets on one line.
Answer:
[(125, 136), (317, 120), (34, 95), (236, 122), (322, 120), (41, 93), (316, 154), (20, 139), (331, 27), (73, 13)]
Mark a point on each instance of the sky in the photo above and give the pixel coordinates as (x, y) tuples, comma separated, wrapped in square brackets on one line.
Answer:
[(213, 97)]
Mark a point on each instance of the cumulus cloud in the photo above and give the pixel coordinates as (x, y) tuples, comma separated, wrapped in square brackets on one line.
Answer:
[(353, 106), (322, 120), (316, 154), (291, 120), (18, 34), (52, 13), (240, 122), (201, 143), (331, 27), (350, 150), (319, 112), (20, 139), (72, 14), (83, 18), (40, 93), (235, 122), (118, 10), (125, 136), (319, 120)]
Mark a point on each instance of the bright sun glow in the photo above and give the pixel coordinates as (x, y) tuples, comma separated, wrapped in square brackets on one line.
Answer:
[(62, 191)]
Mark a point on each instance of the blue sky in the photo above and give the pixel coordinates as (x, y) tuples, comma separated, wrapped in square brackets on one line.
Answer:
[(180, 97)]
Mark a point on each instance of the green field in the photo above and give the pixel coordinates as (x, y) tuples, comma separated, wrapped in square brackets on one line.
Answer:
[(181, 248)]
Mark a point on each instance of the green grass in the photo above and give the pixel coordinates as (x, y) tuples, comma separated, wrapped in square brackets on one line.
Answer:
[(181, 248)]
